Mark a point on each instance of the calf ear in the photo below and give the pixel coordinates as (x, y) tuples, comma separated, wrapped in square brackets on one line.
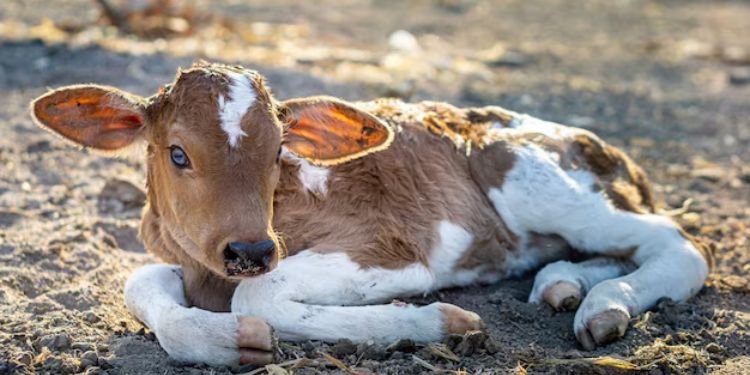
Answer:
[(328, 131), (103, 118)]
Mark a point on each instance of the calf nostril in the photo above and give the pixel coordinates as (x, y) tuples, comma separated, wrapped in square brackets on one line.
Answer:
[(258, 254), (232, 253), (261, 252)]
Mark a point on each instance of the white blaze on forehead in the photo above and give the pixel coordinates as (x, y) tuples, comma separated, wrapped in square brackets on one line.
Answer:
[(231, 111)]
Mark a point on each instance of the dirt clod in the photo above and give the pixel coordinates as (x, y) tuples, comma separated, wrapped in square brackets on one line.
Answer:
[(343, 348), (370, 350), (89, 359), (90, 317), (403, 345), (56, 342), (120, 195), (471, 343), (739, 76)]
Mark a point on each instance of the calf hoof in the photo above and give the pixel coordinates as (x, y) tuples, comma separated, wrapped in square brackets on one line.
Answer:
[(459, 321), (603, 328), (256, 341), (563, 296)]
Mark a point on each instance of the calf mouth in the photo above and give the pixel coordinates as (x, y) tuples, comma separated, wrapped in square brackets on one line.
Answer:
[(237, 265), (242, 269)]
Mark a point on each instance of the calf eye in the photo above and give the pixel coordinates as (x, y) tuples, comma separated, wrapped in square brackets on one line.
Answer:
[(278, 156), (179, 157)]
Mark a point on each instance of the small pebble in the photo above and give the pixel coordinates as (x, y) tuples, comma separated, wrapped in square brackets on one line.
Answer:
[(105, 363), (309, 350), (739, 77), (691, 219), (472, 342), (343, 348), (709, 174), (82, 346), (89, 359), (126, 193), (402, 40), (369, 350), (90, 317), (57, 342), (452, 341), (25, 358), (403, 345)]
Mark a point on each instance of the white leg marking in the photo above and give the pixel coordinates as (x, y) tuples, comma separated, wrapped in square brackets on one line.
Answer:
[(155, 295), (314, 178), (242, 96), (584, 274), (544, 198), (302, 299)]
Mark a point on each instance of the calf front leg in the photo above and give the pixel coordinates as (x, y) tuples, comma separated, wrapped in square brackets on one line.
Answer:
[(314, 296), (155, 295)]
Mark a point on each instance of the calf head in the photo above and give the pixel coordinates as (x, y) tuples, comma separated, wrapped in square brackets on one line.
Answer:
[(213, 141)]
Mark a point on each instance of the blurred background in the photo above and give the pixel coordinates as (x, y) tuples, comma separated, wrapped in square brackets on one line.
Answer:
[(667, 80)]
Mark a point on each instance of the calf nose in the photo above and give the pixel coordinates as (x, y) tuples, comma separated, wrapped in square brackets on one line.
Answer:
[(255, 255)]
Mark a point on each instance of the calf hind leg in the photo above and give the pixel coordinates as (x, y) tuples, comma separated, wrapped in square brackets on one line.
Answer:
[(540, 196), (669, 266), (563, 284)]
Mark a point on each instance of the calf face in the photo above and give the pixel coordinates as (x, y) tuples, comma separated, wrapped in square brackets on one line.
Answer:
[(213, 142)]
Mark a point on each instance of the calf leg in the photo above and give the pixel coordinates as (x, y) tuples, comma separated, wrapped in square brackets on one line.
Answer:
[(310, 296), (539, 196), (669, 266), (154, 294), (563, 284)]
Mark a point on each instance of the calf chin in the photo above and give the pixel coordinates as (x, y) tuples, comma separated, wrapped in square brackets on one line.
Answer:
[(205, 290)]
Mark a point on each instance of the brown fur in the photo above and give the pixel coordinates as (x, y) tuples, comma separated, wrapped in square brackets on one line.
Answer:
[(625, 183), (371, 212)]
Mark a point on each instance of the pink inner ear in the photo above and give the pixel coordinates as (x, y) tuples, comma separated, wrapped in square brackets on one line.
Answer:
[(327, 131), (91, 116), (125, 122)]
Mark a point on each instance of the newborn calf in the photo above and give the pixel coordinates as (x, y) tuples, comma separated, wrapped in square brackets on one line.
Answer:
[(313, 214)]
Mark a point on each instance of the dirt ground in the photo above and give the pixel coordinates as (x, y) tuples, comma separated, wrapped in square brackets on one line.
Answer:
[(669, 81)]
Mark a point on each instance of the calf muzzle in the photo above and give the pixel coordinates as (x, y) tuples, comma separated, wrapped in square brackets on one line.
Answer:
[(248, 258)]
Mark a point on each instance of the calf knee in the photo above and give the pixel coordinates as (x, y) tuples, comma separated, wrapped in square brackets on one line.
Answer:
[(262, 297)]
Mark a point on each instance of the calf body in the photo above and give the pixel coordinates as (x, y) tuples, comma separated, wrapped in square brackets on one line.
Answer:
[(427, 214), (378, 200)]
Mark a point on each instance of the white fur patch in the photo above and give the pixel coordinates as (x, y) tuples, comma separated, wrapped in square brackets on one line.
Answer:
[(314, 178), (325, 296), (553, 130), (155, 295), (231, 111), (453, 243)]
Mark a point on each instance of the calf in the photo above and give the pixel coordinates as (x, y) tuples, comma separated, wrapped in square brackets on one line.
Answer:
[(367, 202)]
